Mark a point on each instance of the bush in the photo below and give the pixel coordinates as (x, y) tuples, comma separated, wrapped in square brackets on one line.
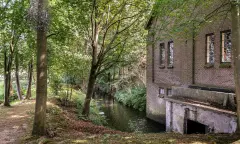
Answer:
[(133, 97)]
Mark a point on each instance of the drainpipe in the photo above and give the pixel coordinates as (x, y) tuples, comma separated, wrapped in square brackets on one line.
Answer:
[(153, 58), (193, 54)]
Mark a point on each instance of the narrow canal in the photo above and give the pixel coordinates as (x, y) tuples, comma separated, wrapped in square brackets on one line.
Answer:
[(126, 119)]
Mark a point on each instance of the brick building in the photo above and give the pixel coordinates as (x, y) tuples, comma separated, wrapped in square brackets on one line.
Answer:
[(204, 63)]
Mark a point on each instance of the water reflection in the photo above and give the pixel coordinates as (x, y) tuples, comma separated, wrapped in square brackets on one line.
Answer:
[(126, 119)]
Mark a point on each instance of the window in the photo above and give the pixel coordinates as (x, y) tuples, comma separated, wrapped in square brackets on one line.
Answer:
[(169, 92), (210, 49), (226, 46), (162, 54), (161, 91), (170, 53)]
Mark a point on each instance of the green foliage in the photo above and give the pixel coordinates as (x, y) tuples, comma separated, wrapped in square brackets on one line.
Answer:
[(133, 97)]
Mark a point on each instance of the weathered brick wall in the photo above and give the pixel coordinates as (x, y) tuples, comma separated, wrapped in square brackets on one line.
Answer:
[(181, 74), (215, 76), (155, 108)]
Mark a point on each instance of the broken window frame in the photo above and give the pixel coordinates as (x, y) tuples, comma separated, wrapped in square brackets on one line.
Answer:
[(162, 54), (170, 54), (223, 47), (210, 49)]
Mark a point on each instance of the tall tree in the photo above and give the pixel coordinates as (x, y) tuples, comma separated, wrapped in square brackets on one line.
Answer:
[(19, 92), (12, 28), (39, 14), (30, 75), (111, 25)]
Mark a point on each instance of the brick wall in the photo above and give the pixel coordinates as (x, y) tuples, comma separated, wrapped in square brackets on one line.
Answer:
[(181, 73), (214, 76)]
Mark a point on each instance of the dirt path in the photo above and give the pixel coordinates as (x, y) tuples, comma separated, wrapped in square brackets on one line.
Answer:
[(14, 121)]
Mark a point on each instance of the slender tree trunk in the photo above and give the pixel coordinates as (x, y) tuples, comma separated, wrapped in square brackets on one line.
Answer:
[(19, 93), (94, 65), (90, 90), (30, 71), (236, 50), (7, 79), (41, 89), (67, 91), (71, 93)]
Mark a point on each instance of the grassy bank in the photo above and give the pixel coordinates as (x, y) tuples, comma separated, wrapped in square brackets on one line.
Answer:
[(77, 101), (64, 128)]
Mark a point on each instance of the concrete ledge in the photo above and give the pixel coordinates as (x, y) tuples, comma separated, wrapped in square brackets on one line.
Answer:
[(201, 106), (206, 96)]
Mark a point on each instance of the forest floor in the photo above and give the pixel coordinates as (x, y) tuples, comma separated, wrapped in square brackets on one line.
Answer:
[(63, 127), (14, 121)]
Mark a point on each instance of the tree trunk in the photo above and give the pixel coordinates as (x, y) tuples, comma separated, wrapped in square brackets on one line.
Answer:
[(41, 89), (29, 88), (90, 90), (236, 51), (6, 80), (94, 65), (71, 93), (19, 93)]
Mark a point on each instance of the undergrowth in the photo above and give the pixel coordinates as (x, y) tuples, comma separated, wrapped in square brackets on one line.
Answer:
[(133, 97), (77, 98)]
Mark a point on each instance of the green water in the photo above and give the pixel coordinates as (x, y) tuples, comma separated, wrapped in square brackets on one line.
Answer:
[(126, 119)]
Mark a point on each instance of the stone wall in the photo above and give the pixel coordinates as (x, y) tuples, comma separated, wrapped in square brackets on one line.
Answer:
[(212, 97), (217, 121)]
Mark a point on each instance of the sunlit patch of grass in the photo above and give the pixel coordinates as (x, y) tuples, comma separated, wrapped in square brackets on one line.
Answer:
[(16, 102), (172, 140), (80, 141)]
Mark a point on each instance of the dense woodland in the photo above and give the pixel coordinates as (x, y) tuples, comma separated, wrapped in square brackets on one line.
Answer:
[(72, 50)]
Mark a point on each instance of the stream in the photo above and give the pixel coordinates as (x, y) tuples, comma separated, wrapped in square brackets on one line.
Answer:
[(120, 117)]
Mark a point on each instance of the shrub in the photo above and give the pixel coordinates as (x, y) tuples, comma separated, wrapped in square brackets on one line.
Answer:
[(133, 97)]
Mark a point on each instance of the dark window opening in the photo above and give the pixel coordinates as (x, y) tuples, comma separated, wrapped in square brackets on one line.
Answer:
[(194, 127), (162, 54), (169, 92)]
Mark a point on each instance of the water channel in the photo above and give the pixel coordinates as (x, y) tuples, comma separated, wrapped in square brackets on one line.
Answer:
[(126, 119)]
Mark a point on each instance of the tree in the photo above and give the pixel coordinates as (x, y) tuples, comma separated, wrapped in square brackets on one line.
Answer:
[(39, 15), (19, 92), (111, 24), (12, 29), (30, 75)]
